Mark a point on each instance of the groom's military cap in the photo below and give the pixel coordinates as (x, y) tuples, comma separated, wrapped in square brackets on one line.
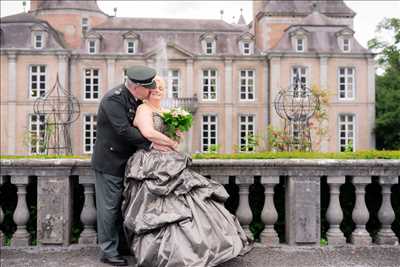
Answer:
[(142, 75)]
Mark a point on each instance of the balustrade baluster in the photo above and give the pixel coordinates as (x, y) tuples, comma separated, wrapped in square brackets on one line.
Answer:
[(360, 215), (386, 214), (243, 213), (88, 214), (334, 214), (269, 215), (21, 214)]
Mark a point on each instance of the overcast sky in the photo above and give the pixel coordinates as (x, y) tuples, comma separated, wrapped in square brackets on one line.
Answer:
[(369, 13)]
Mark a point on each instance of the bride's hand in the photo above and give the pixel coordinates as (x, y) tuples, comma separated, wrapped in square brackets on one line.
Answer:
[(161, 147)]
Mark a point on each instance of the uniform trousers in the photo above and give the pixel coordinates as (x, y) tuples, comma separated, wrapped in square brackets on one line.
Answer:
[(109, 216)]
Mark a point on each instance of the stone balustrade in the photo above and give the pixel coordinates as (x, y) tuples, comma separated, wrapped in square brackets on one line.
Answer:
[(302, 183)]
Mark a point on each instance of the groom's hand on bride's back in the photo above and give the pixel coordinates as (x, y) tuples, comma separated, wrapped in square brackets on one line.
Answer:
[(161, 147)]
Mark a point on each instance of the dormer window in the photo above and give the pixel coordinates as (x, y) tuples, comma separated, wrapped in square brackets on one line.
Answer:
[(246, 43), (208, 43), (131, 42), (346, 45), (85, 24), (92, 47), (300, 45), (38, 38)]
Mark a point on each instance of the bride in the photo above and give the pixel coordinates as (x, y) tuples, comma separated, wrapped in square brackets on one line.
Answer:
[(174, 216)]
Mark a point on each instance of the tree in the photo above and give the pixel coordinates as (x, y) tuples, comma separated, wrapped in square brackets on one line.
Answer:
[(387, 128)]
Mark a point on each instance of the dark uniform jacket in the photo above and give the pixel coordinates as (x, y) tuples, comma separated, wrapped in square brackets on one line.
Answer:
[(116, 138)]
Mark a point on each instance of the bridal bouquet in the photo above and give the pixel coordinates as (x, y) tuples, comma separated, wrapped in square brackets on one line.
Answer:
[(175, 120)]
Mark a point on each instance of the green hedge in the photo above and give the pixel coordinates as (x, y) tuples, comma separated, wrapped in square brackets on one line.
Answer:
[(368, 154)]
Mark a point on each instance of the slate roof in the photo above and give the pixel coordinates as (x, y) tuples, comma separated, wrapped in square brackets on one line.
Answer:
[(88, 5), (331, 8)]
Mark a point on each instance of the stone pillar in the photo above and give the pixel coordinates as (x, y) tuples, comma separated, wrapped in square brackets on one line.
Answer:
[(360, 215), (243, 213), (54, 214), (371, 102), (303, 208), (1, 216), (21, 237), (269, 215), (228, 105), (267, 102), (12, 104), (386, 214), (190, 91), (334, 214), (323, 61), (63, 70), (88, 214), (275, 87), (110, 73)]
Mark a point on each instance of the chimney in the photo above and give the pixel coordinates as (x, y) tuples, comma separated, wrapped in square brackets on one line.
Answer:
[(35, 4)]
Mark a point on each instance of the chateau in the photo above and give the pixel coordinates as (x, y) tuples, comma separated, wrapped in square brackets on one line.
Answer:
[(229, 73)]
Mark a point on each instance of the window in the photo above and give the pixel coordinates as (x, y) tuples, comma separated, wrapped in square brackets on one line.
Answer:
[(246, 133), (91, 84), (173, 83), (299, 81), (130, 46), (247, 79), (246, 48), (92, 47), (37, 134), (209, 84), (89, 133), (346, 132), (300, 44), (209, 48), (209, 133), (124, 76), (346, 45), (346, 83), (85, 24), (38, 40), (37, 80)]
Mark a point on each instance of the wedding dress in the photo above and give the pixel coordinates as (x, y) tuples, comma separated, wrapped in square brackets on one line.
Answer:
[(174, 216)]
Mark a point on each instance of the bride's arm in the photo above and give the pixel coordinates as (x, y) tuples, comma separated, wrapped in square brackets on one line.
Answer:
[(144, 121)]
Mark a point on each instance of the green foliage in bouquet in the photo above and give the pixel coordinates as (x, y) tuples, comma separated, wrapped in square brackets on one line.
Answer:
[(175, 120)]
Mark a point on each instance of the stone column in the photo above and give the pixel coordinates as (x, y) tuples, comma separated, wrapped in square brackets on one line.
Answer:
[(189, 92), (303, 208), (386, 214), (110, 73), (1, 216), (334, 214), (267, 102), (21, 237), (63, 70), (371, 102), (243, 213), (275, 87), (269, 215), (360, 215), (228, 105), (323, 61), (12, 104), (54, 214), (88, 214)]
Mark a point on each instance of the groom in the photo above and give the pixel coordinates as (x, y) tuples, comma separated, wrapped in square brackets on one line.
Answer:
[(116, 141)]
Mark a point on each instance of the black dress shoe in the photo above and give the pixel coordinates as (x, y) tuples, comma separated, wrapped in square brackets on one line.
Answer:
[(114, 261)]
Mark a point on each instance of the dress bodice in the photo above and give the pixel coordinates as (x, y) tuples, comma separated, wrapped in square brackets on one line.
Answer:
[(158, 122)]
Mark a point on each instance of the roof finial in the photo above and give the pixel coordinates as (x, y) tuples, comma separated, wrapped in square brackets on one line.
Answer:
[(314, 6), (233, 20), (115, 11), (24, 5), (222, 14), (241, 11)]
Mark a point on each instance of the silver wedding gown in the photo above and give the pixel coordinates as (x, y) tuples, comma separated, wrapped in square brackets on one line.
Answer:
[(174, 216)]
